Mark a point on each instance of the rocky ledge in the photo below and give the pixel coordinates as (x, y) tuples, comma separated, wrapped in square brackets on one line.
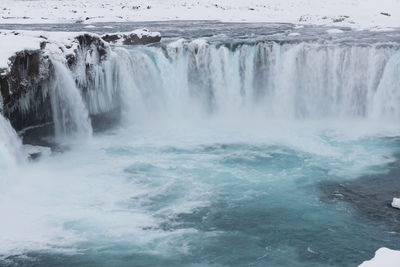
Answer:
[(137, 37), (26, 67)]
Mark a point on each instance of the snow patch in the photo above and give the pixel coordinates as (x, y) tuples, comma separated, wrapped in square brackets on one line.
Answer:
[(58, 44), (384, 257), (396, 203), (13, 42), (144, 32)]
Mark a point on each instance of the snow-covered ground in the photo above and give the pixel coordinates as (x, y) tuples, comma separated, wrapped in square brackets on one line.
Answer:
[(11, 43), (355, 13), (57, 43)]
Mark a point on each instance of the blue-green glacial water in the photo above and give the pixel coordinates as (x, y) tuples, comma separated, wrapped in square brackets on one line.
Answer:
[(259, 153), (195, 196)]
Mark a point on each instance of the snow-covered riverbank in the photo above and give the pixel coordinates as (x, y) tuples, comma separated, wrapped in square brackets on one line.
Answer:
[(353, 13), (64, 43)]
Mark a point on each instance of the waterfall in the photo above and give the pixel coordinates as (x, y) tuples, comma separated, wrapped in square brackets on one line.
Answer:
[(70, 115), (187, 79), (276, 80), (387, 98), (10, 145)]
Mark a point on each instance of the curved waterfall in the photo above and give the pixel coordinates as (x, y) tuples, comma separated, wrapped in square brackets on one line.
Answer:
[(296, 81), (265, 80)]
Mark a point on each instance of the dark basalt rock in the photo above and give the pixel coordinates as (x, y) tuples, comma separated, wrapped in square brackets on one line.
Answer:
[(24, 84), (111, 38), (24, 71), (90, 43), (22, 87), (131, 38)]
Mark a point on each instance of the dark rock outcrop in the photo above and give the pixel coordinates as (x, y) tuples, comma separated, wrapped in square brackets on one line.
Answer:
[(25, 100), (24, 85), (133, 38), (90, 43)]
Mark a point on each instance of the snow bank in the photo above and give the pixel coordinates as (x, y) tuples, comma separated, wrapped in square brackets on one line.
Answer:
[(57, 44), (12, 42), (396, 203), (355, 13), (384, 257)]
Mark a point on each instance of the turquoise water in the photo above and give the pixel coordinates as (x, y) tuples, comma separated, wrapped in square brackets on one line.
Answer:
[(195, 195)]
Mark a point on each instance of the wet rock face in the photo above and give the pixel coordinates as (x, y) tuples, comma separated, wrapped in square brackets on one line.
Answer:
[(22, 89), (24, 96), (24, 85), (24, 71)]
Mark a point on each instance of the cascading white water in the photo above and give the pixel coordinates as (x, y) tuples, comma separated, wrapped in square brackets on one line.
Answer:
[(269, 79), (10, 146), (302, 80), (387, 98), (69, 112), (189, 79)]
